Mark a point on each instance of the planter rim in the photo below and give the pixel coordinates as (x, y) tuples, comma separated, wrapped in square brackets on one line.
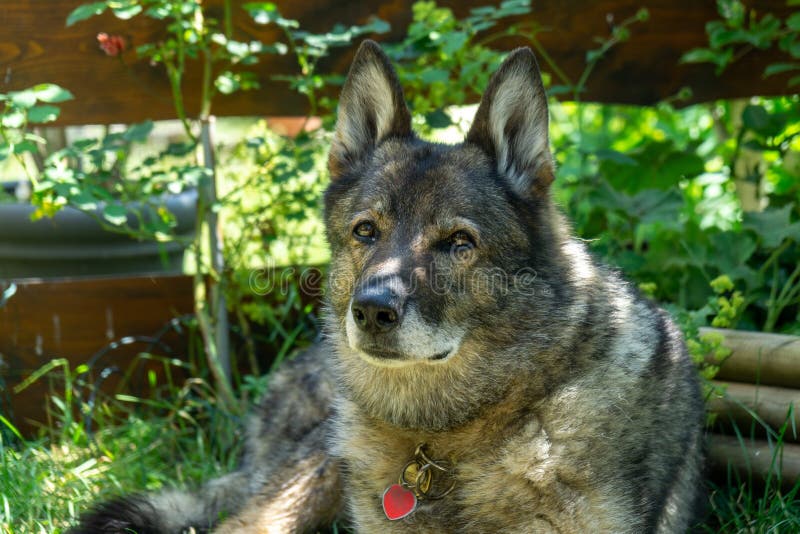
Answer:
[(18, 232)]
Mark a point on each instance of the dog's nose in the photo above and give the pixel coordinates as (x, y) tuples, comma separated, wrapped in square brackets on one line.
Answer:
[(376, 310)]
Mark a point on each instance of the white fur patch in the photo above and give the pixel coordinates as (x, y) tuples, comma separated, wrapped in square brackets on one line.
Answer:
[(416, 339)]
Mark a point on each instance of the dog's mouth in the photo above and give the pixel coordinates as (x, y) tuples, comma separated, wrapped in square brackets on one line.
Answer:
[(383, 354)]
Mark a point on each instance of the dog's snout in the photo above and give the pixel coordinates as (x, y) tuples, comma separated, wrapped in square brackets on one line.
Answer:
[(376, 310)]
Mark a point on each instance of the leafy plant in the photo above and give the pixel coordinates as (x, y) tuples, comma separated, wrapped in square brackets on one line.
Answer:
[(192, 36), (308, 48), (19, 110), (740, 31)]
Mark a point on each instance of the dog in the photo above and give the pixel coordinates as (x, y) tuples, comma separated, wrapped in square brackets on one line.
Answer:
[(480, 372)]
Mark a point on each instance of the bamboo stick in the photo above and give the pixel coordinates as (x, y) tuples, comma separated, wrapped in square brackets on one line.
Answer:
[(759, 358), (757, 457), (771, 404)]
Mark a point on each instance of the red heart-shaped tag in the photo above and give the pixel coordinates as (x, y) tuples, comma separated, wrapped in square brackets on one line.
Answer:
[(398, 502)]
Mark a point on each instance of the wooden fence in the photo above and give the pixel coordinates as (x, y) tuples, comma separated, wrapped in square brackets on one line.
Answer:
[(36, 47)]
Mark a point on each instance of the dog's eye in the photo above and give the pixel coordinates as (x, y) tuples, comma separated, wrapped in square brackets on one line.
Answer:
[(461, 240), (365, 231)]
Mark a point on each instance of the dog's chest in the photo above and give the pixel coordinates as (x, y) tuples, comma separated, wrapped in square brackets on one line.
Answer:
[(518, 481)]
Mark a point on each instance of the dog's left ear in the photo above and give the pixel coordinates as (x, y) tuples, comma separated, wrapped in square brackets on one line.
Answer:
[(371, 108), (511, 124)]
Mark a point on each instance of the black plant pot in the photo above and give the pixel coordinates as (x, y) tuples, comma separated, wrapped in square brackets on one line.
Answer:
[(73, 244)]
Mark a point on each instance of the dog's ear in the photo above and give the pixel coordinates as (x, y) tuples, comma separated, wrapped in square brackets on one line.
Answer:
[(511, 124), (371, 108)]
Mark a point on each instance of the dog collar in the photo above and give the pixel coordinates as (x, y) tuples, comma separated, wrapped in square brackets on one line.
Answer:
[(417, 482)]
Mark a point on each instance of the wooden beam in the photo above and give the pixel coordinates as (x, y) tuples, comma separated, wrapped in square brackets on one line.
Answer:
[(771, 404), (760, 358), (36, 47), (755, 457)]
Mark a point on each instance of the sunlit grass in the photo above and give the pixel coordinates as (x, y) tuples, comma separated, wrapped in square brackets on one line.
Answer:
[(139, 445), (45, 483)]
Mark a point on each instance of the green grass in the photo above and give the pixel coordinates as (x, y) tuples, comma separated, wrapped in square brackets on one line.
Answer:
[(179, 438), (746, 505), (45, 483)]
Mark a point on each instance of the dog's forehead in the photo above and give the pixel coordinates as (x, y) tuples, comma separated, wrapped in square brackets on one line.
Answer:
[(425, 177)]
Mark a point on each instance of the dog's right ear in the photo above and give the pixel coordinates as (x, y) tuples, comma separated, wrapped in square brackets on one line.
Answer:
[(371, 108), (511, 124)]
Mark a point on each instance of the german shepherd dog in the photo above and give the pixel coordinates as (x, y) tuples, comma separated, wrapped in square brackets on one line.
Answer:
[(481, 372)]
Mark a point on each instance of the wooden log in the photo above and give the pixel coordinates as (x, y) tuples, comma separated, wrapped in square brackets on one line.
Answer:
[(756, 457), (759, 358), (771, 404), (36, 47)]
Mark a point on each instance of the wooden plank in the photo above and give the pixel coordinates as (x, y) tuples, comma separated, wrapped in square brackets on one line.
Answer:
[(74, 319), (35, 47), (755, 457), (760, 358), (773, 405)]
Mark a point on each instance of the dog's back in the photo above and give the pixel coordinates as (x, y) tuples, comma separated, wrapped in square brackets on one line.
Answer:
[(481, 371)]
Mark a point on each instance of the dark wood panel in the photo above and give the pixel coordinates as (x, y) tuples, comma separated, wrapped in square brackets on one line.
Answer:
[(35, 47), (74, 319)]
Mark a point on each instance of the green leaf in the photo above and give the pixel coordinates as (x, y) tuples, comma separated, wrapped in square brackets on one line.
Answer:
[(655, 165), (755, 117), (267, 13), (454, 41), (237, 49), (24, 99), (731, 10), (52, 93), (758, 119), (227, 83), (13, 119), (731, 250), (115, 214), (773, 225), (40, 114), (84, 201), (793, 22), (85, 11), (654, 206), (777, 68), (438, 119), (434, 75), (615, 156), (721, 58), (157, 12), (179, 149), (510, 8), (127, 11), (25, 146), (138, 132), (275, 48)]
